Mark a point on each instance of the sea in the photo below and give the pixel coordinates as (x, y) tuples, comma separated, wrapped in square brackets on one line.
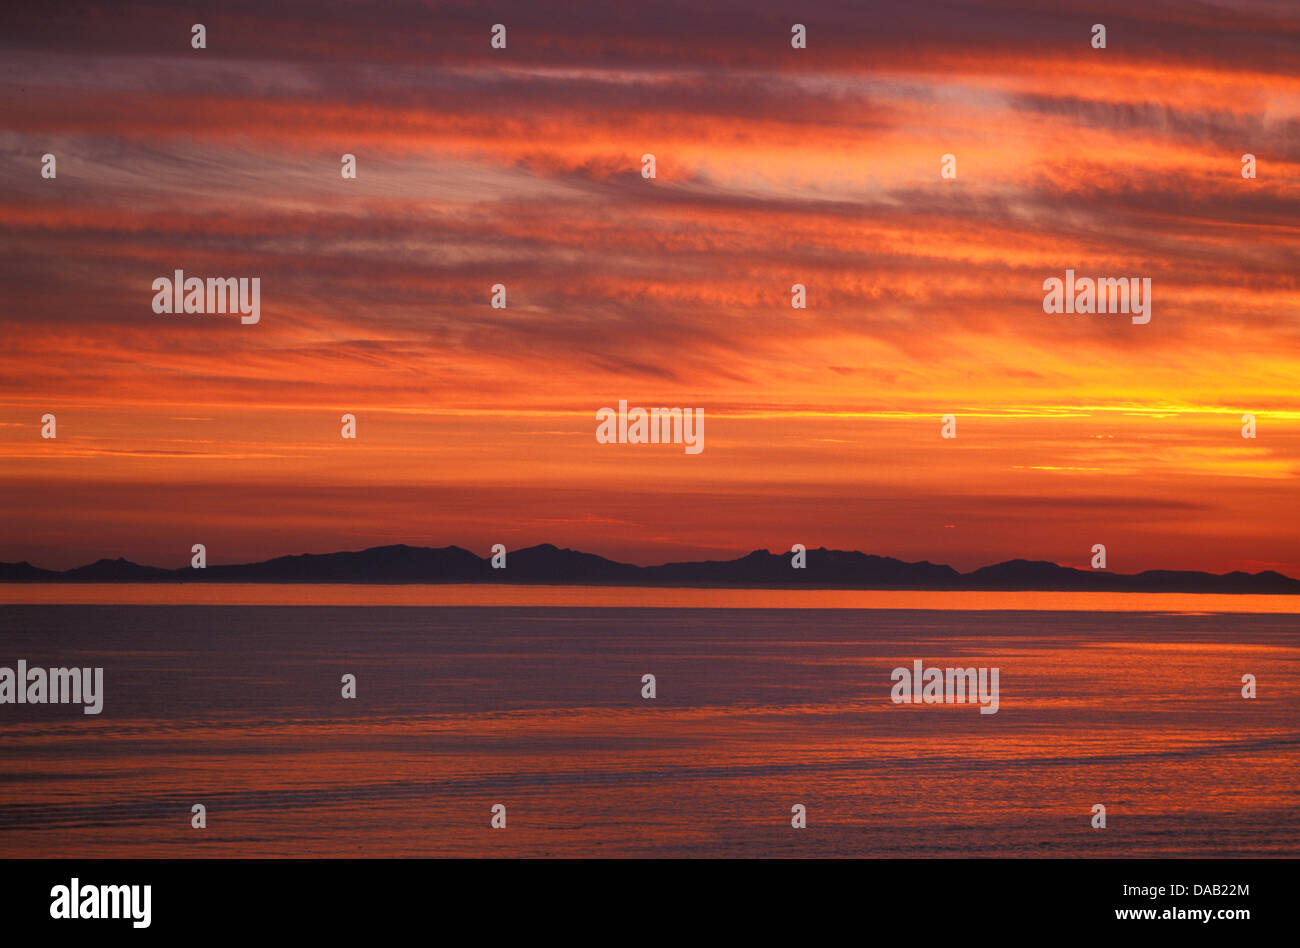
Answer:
[(529, 704)]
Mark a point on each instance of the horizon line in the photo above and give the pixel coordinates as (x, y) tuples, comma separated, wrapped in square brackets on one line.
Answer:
[(957, 574)]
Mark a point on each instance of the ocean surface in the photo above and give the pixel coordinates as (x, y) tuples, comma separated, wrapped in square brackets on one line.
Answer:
[(539, 708)]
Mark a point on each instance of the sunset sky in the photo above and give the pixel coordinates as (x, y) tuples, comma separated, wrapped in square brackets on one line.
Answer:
[(775, 166)]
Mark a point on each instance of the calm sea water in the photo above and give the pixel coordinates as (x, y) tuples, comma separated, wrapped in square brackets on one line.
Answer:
[(539, 708)]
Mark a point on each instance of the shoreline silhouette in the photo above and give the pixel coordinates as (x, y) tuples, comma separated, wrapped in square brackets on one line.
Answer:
[(546, 564)]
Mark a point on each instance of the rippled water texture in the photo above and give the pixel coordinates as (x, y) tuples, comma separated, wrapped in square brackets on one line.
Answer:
[(539, 708)]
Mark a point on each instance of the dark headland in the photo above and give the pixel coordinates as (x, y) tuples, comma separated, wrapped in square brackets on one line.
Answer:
[(550, 565)]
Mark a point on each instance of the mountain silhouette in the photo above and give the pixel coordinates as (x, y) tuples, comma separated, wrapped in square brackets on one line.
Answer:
[(546, 564)]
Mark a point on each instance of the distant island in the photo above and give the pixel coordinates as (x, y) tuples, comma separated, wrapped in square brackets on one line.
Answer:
[(549, 565)]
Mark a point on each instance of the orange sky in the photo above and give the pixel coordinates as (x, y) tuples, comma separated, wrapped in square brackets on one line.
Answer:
[(775, 166)]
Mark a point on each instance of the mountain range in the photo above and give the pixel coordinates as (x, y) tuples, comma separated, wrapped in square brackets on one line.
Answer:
[(549, 565)]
